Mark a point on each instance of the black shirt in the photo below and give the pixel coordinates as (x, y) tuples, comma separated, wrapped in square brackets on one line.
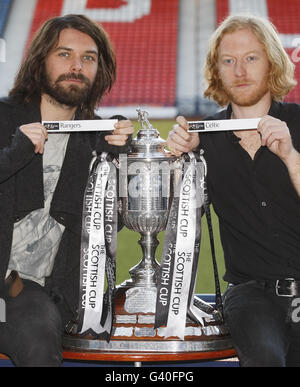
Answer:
[(257, 205)]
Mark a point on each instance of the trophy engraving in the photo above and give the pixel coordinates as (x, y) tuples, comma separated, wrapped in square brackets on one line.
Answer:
[(140, 300)]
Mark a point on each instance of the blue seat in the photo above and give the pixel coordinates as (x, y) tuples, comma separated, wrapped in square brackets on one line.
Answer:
[(4, 10)]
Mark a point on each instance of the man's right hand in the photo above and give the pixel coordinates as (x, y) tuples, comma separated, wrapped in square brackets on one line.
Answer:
[(180, 140), (37, 134)]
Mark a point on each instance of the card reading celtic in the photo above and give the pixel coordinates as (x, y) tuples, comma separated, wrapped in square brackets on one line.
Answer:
[(79, 126), (221, 125)]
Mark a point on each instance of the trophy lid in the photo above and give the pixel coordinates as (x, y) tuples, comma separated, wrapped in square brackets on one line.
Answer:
[(148, 143)]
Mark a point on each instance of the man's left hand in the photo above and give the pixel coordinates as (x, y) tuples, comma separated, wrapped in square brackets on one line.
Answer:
[(276, 136)]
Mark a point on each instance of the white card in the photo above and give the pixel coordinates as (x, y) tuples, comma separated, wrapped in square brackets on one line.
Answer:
[(227, 125), (79, 126)]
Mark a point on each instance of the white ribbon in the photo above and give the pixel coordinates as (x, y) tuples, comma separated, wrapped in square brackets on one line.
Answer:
[(184, 256), (96, 256)]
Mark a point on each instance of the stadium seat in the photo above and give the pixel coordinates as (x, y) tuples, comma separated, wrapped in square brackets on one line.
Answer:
[(285, 16), (4, 9), (140, 45)]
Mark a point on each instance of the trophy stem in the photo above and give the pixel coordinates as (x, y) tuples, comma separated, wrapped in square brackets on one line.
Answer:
[(144, 273)]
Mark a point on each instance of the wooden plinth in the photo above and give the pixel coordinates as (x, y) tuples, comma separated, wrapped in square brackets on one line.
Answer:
[(148, 357), (153, 348)]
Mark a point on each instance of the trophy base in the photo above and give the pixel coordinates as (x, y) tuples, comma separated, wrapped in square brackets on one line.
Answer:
[(134, 337)]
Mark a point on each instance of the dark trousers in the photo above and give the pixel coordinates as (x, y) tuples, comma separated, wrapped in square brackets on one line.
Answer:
[(31, 335), (264, 327)]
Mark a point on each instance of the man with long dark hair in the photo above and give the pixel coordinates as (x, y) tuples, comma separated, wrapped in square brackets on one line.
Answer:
[(69, 66), (253, 181)]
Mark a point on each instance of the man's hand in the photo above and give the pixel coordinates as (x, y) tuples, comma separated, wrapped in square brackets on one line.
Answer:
[(37, 134), (121, 133), (180, 140), (276, 136)]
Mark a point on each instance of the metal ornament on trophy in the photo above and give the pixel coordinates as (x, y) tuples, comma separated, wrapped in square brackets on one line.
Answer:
[(156, 315)]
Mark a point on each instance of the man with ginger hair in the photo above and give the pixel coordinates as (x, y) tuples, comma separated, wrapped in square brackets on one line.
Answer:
[(254, 185)]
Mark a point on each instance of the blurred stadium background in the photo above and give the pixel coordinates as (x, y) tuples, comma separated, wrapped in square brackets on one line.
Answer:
[(160, 47)]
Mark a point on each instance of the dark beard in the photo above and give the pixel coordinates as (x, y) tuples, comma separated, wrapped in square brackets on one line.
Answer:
[(72, 96)]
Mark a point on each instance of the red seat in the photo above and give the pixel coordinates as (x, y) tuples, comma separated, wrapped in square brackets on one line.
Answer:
[(285, 16), (146, 51)]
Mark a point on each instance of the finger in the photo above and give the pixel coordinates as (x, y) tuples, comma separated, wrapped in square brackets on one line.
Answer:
[(124, 131), (117, 143), (123, 124), (116, 139), (270, 140), (176, 153), (34, 125), (34, 129), (181, 132), (264, 133), (270, 122), (265, 122), (182, 122), (38, 137), (38, 147), (178, 134), (177, 138), (271, 135), (172, 147), (176, 147), (45, 132), (41, 149), (264, 119), (277, 129)]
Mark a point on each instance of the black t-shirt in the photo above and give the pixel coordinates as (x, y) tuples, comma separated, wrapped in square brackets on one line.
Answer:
[(257, 205)]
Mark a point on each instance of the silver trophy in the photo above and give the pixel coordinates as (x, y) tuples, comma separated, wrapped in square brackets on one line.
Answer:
[(148, 190), (147, 180)]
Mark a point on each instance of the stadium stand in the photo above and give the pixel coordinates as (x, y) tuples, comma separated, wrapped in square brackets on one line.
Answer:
[(4, 9), (146, 45), (284, 15), (160, 46)]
